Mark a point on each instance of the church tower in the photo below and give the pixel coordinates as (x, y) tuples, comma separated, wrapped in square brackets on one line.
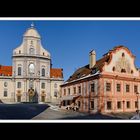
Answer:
[(31, 69)]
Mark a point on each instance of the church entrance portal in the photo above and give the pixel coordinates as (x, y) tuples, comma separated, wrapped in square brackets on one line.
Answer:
[(33, 98)]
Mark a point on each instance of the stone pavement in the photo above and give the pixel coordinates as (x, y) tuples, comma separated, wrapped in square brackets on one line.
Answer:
[(124, 115), (52, 112), (21, 111), (55, 113)]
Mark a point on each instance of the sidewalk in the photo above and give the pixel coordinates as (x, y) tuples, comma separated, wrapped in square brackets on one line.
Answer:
[(124, 115)]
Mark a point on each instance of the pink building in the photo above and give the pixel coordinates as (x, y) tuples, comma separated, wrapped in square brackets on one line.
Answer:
[(110, 84)]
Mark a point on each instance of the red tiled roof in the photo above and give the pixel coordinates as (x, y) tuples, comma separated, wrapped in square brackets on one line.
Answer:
[(6, 70), (56, 73), (84, 71)]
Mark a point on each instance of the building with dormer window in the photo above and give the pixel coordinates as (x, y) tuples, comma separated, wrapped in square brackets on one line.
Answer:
[(110, 84)]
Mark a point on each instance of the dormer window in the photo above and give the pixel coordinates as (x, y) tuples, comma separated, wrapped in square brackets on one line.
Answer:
[(78, 75), (19, 51), (94, 71), (43, 53)]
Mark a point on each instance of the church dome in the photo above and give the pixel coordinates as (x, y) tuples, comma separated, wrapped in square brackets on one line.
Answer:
[(31, 32)]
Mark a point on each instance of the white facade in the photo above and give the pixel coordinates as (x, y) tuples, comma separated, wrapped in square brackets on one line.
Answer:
[(30, 80)]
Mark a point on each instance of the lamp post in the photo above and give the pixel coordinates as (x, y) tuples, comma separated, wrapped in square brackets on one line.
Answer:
[(137, 94)]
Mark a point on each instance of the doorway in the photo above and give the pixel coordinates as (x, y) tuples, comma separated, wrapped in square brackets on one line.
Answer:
[(42, 98), (18, 98)]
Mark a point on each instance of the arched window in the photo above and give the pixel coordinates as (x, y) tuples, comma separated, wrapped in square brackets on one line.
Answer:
[(31, 68), (132, 72), (123, 55), (5, 84), (43, 85), (55, 85), (123, 70), (43, 71), (55, 94), (31, 42), (19, 70), (113, 69), (31, 51)]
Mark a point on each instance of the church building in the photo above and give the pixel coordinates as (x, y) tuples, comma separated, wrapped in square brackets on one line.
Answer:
[(31, 77)]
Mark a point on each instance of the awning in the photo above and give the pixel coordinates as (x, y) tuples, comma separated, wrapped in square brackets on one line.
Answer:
[(70, 97)]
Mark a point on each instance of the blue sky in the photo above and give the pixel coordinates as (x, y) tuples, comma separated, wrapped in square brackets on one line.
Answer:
[(70, 42)]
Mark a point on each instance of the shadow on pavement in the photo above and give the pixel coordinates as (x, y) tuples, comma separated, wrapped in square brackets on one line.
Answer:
[(97, 116), (21, 111)]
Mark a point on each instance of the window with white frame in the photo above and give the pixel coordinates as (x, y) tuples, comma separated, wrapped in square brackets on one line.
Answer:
[(135, 88), (109, 105), (128, 104), (31, 51), (5, 94), (118, 87), (74, 90), (119, 104), (43, 71), (19, 71), (18, 84), (43, 85), (79, 89), (127, 88), (108, 86), (92, 87)]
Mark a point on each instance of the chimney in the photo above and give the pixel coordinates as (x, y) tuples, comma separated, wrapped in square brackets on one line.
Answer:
[(92, 59)]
